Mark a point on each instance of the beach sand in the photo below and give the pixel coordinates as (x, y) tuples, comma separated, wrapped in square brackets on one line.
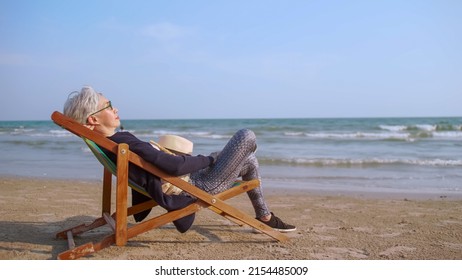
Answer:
[(330, 226)]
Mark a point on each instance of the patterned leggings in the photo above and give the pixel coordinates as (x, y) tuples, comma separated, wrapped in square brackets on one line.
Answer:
[(237, 159)]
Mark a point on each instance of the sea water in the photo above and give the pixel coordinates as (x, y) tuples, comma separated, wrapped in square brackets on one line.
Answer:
[(392, 155)]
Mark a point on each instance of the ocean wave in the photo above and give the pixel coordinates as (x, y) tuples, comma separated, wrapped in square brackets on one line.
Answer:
[(448, 134), (52, 133), (392, 135), (32, 132), (393, 127), (359, 135), (371, 162), (422, 127), (21, 130), (186, 134)]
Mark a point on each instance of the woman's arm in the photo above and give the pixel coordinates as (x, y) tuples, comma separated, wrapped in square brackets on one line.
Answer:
[(172, 164)]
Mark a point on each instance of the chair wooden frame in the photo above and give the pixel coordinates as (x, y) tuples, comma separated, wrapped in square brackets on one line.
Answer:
[(118, 221)]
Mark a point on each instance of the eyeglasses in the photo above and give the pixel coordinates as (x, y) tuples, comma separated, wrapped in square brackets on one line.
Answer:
[(109, 105)]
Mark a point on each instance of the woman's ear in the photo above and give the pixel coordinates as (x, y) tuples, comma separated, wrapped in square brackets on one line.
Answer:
[(91, 122)]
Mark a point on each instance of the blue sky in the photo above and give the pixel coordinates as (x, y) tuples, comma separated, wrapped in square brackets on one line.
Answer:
[(233, 59)]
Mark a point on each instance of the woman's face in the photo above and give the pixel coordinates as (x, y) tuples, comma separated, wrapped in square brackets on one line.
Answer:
[(105, 120)]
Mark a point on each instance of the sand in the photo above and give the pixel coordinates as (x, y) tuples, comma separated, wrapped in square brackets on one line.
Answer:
[(330, 226)]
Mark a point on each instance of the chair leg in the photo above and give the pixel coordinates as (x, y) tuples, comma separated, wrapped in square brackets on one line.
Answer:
[(76, 230), (78, 252), (107, 191), (121, 195), (87, 249)]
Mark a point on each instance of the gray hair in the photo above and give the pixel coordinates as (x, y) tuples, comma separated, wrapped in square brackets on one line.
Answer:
[(80, 105)]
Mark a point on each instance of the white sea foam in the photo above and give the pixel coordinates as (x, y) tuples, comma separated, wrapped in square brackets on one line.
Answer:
[(393, 127), (426, 127), (60, 133), (360, 135), (345, 162), (448, 134), (22, 130)]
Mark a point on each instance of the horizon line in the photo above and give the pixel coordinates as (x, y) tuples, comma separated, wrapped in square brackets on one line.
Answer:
[(253, 118)]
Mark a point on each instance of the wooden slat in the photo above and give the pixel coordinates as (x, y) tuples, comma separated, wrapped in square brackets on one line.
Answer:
[(63, 234), (107, 190), (70, 240), (141, 207), (110, 221), (77, 252), (121, 195), (76, 230), (239, 188), (162, 220)]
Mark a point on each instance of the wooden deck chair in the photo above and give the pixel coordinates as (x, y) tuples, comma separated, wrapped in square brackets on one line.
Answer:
[(121, 231)]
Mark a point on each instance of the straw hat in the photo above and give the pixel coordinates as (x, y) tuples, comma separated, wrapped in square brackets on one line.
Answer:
[(173, 144), (176, 143)]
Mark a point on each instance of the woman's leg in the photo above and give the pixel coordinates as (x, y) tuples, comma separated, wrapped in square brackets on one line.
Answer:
[(237, 159), (250, 171)]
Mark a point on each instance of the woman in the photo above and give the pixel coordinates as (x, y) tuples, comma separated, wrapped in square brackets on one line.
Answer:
[(213, 174)]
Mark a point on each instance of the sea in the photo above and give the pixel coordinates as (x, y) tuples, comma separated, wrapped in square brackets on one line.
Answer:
[(420, 156)]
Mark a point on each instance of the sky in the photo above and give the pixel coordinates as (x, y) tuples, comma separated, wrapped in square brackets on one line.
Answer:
[(234, 59)]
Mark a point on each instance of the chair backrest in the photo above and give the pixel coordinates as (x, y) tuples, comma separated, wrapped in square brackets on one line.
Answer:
[(110, 165), (101, 156)]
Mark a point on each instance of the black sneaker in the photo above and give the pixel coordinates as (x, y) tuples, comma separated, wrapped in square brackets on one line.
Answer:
[(278, 224)]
